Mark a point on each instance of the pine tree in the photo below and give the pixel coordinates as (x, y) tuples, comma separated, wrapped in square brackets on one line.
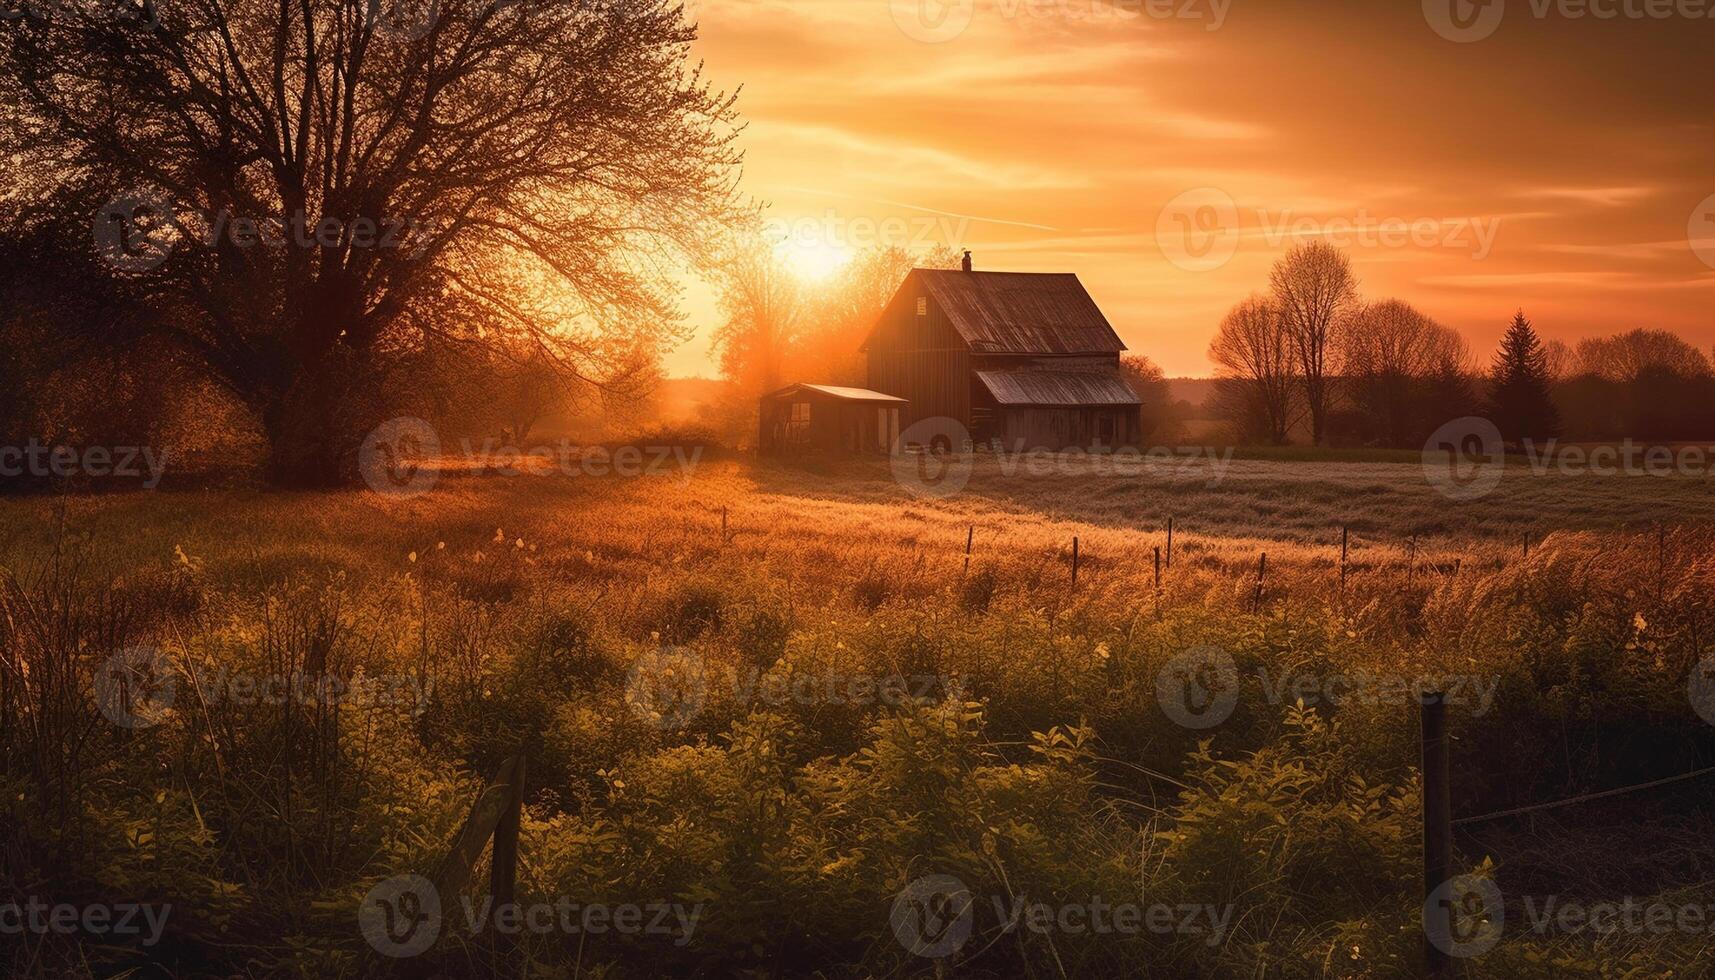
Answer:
[(1519, 401)]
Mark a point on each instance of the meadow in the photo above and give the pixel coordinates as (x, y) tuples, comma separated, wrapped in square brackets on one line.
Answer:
[(774, 696)]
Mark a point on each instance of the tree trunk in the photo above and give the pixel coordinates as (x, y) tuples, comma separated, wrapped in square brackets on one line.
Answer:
[(317, 426)]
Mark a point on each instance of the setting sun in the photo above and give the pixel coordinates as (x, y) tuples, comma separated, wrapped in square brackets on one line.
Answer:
[(816, 261)]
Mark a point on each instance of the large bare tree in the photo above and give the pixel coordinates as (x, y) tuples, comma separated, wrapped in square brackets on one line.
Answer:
[(1257, 369), (312, 187), (1405, 372), (1313, 288), (763, 307)]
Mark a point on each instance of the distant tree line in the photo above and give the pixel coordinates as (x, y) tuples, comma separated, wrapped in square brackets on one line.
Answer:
[(1311, 359)]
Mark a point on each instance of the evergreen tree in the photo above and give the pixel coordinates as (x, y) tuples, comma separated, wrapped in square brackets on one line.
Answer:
[(1519, 401)]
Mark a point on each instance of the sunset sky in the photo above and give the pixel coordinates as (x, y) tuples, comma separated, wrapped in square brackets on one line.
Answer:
[(1557, 163)]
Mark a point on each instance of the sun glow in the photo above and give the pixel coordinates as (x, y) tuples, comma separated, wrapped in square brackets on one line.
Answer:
[(815, 261)]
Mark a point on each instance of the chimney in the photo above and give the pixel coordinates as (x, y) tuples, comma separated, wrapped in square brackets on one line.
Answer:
[(967, 264)]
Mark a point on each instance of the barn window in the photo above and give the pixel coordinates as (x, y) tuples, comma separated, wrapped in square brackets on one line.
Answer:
[(798, 424), (922, 306)]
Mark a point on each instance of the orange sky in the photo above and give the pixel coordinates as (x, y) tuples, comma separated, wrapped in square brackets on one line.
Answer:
[(1168, 151)]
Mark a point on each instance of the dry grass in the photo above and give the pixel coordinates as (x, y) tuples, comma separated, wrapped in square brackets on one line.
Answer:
[(529, 596)]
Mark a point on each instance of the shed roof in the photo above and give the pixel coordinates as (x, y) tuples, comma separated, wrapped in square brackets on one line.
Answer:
[(835, 391), (1058, 388), (1021, 312)]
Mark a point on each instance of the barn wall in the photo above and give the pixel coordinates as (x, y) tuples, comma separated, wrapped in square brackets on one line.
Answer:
[(836, 425), (920, 359), (1064, 428)]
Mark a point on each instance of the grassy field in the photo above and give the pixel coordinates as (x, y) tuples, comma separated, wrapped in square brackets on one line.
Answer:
[(703, 728)]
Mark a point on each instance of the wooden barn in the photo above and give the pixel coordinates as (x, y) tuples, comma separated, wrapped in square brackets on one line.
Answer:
[(1024, 358), (824, 418)]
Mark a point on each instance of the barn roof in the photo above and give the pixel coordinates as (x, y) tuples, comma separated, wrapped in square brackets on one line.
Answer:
[(1021, 312), (1058, 388), (834, 391)]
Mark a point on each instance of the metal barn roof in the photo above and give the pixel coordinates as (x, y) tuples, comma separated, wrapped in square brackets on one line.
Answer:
[(834, 391), (1058, 388), (1021, 312)]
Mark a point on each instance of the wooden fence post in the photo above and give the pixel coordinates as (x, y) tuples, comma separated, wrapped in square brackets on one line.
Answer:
[(1437, 834), (1411, 561), (499, 803), (1158, 567), (1170, 542), (1074, 561), (503, 873), (970, 536)]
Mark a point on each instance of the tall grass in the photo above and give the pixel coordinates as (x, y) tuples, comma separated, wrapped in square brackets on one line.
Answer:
[(1034, 761)]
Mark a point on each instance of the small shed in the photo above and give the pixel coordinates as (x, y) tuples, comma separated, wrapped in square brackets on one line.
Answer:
[(803, 418)]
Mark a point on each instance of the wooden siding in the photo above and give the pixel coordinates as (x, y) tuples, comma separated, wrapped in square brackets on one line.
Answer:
[(835, 425), (1066, 428), (921, 359)]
